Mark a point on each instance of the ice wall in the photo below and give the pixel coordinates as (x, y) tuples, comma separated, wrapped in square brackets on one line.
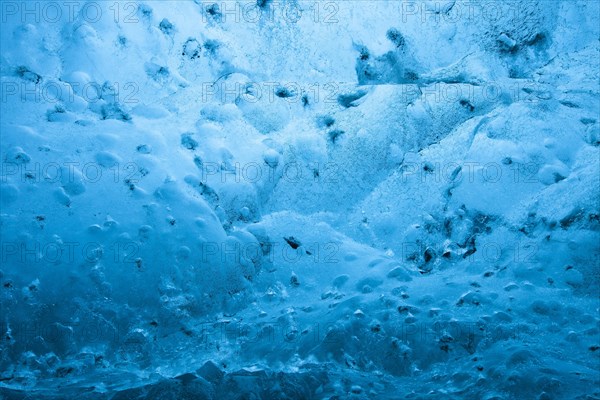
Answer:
[(363, 199)]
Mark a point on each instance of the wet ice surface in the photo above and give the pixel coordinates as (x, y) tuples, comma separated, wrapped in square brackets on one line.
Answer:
[(361, 199)]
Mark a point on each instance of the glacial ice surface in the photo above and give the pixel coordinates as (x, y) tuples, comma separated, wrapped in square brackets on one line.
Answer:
[(290, 199)]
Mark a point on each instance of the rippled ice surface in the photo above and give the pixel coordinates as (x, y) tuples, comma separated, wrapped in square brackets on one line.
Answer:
[(295, 199)]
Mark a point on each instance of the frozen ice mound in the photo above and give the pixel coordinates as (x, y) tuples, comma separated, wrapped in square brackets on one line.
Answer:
[(304, 200)]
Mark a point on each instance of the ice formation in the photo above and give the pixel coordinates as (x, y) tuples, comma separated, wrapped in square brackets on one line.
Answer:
[(290, 199)]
